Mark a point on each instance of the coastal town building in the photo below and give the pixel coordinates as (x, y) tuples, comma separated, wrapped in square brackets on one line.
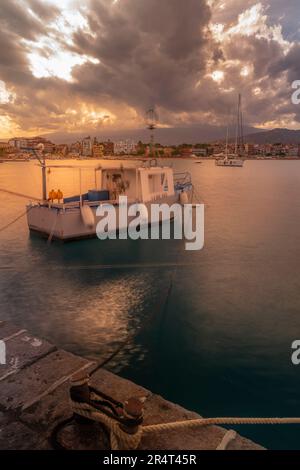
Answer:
[(32, 142), (87, 146), (98, 150), (108, 148), (125, 147), (250, 149), (61, 149), (76, 148)]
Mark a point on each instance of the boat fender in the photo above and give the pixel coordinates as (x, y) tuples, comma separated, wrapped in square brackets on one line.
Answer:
[(87, 216), (184, 199)]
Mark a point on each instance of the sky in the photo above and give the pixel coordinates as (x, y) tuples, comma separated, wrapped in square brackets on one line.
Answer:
[(94, 65)]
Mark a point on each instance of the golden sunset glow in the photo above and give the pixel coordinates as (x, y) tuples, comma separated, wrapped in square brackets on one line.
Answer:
[(70, 66)]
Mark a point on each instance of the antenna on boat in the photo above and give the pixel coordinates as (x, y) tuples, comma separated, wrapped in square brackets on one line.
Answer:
[(151, 121)]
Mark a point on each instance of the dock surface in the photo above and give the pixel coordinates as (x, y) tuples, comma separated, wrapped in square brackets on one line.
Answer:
[(34, 397)]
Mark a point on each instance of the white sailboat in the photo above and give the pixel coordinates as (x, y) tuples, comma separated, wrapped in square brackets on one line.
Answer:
[(234, 159)]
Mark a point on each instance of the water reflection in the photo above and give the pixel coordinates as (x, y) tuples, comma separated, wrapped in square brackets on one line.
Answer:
[(221, 345)]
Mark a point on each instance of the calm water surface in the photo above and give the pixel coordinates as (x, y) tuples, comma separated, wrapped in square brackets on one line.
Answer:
[(222, 344)]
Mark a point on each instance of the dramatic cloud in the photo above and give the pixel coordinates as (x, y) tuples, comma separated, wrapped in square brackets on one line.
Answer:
[(68, 65)]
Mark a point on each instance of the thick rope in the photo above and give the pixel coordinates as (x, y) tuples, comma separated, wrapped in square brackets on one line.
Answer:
[(52, 230), (4, 227), (125, 441), (119, 439), (228, 437), (216, 421), (26, 196)]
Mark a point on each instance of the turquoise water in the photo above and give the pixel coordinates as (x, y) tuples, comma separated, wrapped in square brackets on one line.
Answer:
[(221, 345)]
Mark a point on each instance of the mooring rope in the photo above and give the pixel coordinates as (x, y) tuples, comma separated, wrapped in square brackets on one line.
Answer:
[(122, 440), (4, 227), (26, 196)]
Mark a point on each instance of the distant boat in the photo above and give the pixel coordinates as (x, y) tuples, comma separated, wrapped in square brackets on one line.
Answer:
[(233, 162), (234, 159)]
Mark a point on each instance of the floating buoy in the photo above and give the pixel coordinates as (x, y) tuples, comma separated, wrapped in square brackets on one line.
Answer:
[(87, 216)]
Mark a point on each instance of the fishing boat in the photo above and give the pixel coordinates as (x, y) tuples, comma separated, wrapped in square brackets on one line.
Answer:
[(75, 217), (234, 159)]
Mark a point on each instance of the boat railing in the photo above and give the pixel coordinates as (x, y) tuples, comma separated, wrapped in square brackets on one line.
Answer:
[(77, 204)]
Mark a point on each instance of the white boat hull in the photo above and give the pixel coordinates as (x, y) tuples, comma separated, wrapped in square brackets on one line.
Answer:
[(70, 224), (230, 163)]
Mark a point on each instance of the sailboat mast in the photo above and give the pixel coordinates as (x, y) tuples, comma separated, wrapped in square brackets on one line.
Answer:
[(241, 124), (227, 137), (237, 131), (44, 181), (239, 141)]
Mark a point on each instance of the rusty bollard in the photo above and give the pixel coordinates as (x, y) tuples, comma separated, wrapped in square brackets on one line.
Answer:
[(86, 435), (133, 411), (79, 391)]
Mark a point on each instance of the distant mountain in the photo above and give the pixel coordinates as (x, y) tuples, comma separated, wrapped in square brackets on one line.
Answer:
[(190, 135), (165, 136), (284, 136)]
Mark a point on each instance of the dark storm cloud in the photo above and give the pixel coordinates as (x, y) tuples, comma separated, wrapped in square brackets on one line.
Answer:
[(15, 17), (290, 63), (150, 52)]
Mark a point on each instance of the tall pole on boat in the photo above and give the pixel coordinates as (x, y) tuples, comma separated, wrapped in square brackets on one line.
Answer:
[(80, 187), (37, 152), (44, 181)]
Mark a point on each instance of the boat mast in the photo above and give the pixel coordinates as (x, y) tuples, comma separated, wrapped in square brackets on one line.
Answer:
[(44, 181), (37, 152), (239, 141), (227, 137)]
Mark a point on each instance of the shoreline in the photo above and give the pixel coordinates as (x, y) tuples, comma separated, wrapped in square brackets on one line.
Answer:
[(144, 159)]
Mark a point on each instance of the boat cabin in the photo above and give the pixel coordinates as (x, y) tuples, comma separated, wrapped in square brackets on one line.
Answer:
[(138, 184)]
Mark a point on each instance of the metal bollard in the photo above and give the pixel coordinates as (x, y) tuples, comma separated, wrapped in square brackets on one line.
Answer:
[(79, 391)]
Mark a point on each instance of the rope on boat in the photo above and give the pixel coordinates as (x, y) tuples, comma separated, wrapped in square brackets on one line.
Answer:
[(52, 230), (26, 196), (23, 213), (15, 220)]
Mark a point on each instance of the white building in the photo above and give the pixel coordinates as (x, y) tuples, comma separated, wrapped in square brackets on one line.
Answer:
[(87, 146), (18, 142), (125, 147)]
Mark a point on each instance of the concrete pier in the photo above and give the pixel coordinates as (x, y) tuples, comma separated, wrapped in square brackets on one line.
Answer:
[(34, 385)]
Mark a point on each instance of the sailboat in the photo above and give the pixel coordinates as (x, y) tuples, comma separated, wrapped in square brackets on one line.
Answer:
[(234, 159)]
